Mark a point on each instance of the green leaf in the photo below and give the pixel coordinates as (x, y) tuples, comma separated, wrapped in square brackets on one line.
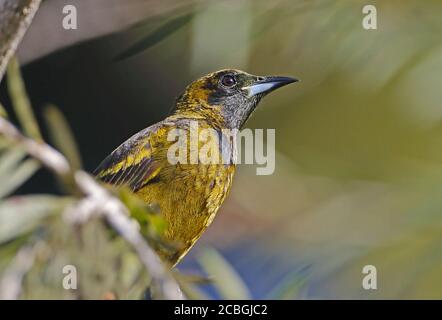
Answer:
[(13, 171), (289, 287), (20, 101), (17, 177), (156, 36), (62, 136), (3, 112), (151, 222), (9, 160), (20, 214), (227, 281), (4, 143)]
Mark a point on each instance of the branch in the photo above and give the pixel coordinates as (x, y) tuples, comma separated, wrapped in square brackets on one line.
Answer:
[(97, 200), (15, 18)]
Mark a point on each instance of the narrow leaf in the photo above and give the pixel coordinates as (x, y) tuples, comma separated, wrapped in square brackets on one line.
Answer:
[(225, 278), (20, 214), (156, 36), (4, 143), (9, 160), (290, 286), (17, 177), (62, 136), (3, 112), (20, 101)]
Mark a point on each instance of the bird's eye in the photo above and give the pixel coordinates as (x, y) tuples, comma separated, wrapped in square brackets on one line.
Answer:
[(228, 80)]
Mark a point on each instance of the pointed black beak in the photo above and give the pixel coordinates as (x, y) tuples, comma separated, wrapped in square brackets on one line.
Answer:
[(268, 84)]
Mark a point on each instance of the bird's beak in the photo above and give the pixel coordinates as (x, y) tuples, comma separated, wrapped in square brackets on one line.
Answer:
[(267, 84)]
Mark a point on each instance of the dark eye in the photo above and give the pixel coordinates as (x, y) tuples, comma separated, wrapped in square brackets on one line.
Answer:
[(228, 80)]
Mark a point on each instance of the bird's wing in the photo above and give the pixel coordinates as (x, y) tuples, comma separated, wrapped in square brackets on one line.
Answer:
[(132, 163)]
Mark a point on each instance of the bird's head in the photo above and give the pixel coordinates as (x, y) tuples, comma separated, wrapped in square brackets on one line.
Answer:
[(230, 93)]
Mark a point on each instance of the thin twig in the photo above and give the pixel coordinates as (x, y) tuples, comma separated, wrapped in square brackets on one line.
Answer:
[(98, 200)]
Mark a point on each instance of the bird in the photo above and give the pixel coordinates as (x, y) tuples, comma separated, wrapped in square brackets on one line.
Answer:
[(188, 195)]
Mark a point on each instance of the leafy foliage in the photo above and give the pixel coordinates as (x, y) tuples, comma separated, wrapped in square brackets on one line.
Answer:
[(107, 267)]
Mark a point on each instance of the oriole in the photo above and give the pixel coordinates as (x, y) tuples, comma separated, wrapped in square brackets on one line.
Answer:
[(188, 195)]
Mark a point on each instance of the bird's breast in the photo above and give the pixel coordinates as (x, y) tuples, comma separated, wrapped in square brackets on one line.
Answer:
[(189, 197)]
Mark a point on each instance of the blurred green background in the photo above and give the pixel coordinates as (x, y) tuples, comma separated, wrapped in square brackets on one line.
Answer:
[(358, 176)]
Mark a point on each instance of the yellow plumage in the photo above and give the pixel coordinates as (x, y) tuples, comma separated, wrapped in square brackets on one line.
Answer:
[(188, 195)]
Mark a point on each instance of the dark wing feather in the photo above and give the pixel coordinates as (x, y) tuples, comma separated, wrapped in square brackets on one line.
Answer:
[(132, 163)]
